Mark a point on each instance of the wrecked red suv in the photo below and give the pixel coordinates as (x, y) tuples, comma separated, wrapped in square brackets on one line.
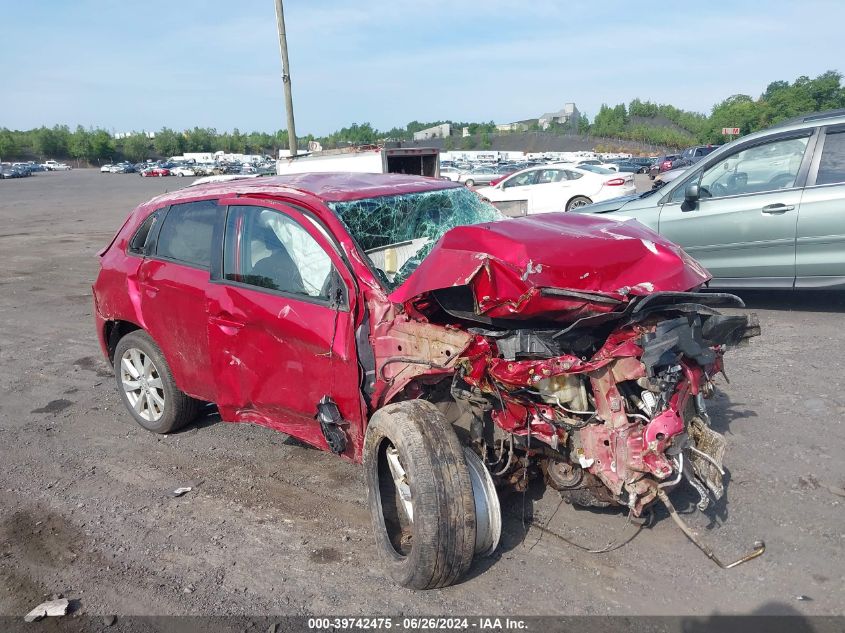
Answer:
[(402, 322)]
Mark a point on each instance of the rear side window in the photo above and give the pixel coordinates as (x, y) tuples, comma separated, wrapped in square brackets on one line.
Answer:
[(187, 232), (832, 164), (138, 243)]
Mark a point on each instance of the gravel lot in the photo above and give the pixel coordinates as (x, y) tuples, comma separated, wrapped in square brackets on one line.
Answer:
[(274, 527)]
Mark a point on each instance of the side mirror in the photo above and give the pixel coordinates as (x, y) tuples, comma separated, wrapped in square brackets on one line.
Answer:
[(692, 194)]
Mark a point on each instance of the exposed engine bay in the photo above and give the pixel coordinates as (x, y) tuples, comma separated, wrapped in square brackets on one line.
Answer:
[(609, 421)]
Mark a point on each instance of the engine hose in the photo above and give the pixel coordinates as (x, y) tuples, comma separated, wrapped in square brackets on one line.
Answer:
[(510, 460)]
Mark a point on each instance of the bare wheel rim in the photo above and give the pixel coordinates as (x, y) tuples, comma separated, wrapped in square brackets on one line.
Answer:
[(142, 384), (400, 480), (395, 499)]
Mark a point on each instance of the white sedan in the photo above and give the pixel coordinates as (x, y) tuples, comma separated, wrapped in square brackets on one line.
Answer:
[(182, 170), (105, 169), (557, 187)]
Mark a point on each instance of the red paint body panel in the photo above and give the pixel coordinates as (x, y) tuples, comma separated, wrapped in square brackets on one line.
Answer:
[(508, 263)]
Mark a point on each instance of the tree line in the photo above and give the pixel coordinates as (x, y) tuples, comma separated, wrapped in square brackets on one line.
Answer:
[(642, 121)]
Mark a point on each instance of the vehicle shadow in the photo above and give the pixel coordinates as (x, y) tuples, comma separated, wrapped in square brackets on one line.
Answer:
[(793, 300), (723, 412), (772, 617), (207, 416)]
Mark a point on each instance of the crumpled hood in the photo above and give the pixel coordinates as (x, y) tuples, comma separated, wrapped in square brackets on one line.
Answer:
[(555, 266)]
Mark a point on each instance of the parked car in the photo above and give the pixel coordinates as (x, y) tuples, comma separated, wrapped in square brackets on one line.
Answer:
[(400, 322), (667, 177), (694, 154), (450, 173), (52, 165), (155, 171), (183, 170), (7, 171), (764, 211), (626, 167), (481, 175), (106, 169), (665, 163), (556, 188), (642, 162)]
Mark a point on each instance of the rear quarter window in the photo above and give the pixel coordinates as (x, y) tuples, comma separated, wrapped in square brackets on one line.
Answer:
[(139, 241), (187, 231)]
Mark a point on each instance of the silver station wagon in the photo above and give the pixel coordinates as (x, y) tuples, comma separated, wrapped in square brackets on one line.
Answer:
[(765, 211)]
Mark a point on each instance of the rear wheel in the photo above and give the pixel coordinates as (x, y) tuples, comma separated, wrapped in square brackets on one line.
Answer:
[(146, 385), (420, 495), (578, 201), (469, 182)]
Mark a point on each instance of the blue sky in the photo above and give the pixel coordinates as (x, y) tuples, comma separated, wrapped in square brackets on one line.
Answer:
[(178, 63)]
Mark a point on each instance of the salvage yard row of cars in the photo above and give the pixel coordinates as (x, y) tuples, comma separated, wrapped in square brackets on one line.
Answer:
[(23, 170), (177, 168)]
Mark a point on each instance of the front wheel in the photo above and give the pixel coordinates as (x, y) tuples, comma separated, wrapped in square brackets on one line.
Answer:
[(146, 385), (577, 202), (420, 495), (469, 182)]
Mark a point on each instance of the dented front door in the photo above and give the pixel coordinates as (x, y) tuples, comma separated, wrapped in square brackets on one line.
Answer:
[(280, 325)]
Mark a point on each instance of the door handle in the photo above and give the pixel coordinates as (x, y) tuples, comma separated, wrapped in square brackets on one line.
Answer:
[(775, 209)]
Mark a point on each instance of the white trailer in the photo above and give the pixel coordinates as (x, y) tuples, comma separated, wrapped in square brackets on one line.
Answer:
[(420, 161)]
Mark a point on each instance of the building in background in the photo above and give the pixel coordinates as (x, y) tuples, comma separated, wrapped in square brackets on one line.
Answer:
[(438, 131), (568, 116)]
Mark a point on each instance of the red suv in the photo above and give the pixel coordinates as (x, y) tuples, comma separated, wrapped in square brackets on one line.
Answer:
[(402, 322)]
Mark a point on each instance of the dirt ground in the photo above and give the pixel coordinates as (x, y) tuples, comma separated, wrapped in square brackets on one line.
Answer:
[(275, 527)]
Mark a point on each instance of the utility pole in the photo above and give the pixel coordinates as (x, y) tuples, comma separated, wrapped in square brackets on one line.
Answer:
[(283, 51)]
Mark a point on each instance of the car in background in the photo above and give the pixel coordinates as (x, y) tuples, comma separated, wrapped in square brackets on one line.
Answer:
[(7, 171), (694, 154), (183, 170), (450, 173), (52, 165), (626, 166), (665, 163), (556, 187), (106, 169), (764, 211), (642, 161), (667, 176), (122, 168), (155, 171), (481, 175)]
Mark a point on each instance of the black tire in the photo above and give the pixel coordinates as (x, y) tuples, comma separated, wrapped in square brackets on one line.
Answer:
[(436, 549), (469, 182), (578, 201), (179, 409)]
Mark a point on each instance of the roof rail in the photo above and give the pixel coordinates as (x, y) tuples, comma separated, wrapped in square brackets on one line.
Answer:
[(814, 116)]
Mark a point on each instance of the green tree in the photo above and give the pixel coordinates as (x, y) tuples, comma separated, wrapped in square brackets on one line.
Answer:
[(79, 145), (485, 141), (102, 145), (169, 143), (136, 147), (9, 146)]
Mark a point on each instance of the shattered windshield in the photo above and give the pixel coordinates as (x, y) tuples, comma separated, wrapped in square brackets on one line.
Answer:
[(398, 232)]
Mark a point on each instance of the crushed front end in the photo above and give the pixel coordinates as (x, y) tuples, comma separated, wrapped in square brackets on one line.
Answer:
[(610, 413)]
